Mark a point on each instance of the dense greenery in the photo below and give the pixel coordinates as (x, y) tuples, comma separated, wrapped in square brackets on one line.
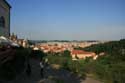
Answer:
[(37, 54), (109, 68), (15, 66), (113, 47), (65, 61)]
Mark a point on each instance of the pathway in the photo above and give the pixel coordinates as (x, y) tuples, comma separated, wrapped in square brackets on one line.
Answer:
[(50, 73)]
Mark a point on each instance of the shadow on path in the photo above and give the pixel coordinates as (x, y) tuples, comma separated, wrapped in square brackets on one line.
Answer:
[(60, 76)]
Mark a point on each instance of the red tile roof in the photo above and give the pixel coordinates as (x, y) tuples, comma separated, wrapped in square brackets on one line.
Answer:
[(80, 52)]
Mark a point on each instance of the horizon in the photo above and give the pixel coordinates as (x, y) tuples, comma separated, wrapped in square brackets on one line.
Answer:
[(74, 40), (68, 19)]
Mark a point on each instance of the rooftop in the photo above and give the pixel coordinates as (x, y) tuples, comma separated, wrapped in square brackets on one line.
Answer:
[(7, 3), (80, 52)]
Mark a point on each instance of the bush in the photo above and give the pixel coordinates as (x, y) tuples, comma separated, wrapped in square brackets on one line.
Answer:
[(57, 60), (15, 66), (37, 54)]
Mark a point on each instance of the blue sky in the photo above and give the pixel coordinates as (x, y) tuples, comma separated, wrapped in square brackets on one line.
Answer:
[(68, 19)]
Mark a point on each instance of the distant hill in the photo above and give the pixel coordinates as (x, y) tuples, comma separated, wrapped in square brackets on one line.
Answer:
[(109, 47)]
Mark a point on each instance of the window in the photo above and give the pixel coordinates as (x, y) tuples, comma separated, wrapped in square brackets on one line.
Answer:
[(2, 22)]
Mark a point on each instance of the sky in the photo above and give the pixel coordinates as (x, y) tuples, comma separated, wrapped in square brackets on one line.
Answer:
[(68, 19)]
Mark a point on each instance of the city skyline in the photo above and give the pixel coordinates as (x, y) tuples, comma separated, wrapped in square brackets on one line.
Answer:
[(68, 19)]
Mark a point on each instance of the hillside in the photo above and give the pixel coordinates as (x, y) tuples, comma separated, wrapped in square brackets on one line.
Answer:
[(111, 66)]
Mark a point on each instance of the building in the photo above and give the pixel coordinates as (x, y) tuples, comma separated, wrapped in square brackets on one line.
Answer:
[(80, 54), (4, 18)]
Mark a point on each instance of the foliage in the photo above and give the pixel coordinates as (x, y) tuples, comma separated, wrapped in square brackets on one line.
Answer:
[(57, 60), (68, 64), (37, 54), (15, 66), (66, 53), (109, 67)]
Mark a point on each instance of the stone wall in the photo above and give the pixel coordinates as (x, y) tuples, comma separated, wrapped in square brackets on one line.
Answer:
[(5, 12)]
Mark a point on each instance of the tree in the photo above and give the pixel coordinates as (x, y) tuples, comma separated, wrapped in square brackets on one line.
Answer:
[(66, 53)]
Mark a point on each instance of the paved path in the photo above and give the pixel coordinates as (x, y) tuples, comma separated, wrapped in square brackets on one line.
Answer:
[(35, 77)]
